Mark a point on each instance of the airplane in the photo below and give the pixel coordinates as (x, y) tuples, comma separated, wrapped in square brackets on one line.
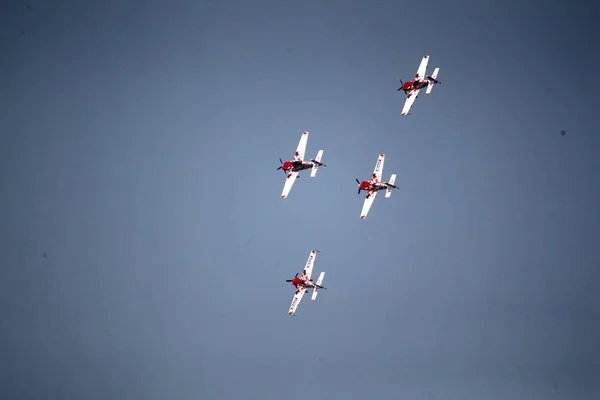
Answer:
[(412, 88), (304, 283), (374, 185), (292, 167)]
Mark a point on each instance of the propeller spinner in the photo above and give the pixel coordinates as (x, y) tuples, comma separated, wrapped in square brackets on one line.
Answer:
[(400, 88)]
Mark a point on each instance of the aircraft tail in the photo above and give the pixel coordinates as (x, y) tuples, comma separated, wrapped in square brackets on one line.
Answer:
[(432, 80), (388, 191), (318, 286), (316, 164)]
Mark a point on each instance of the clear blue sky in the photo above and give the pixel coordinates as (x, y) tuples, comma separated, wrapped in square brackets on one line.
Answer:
[(144, 245)]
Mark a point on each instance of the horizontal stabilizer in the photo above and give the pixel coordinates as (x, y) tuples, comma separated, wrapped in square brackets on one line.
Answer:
[(315, 166), (318, 283), (388, 191), (320, 280), (432, 80)]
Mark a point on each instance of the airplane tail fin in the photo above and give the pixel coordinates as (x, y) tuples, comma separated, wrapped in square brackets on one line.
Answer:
[(316, 164), (388, 191), (318, 286), (432, 80)]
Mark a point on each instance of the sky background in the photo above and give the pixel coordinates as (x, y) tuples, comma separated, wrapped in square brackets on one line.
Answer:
[(145, 247)]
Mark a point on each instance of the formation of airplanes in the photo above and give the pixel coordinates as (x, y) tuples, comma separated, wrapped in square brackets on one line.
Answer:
[(294, 166)]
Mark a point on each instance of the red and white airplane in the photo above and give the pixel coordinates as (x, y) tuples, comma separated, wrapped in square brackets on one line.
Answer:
[(412, 88), (374, 185), (292, 167), (304, 283)]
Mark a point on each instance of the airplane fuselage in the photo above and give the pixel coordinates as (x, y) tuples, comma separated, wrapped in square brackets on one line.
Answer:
[(301, 283), (296, 166), (310, 286), (378, 186), (414, 85), (372, 186)]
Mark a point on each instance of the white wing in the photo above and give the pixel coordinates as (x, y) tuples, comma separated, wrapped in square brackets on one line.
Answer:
[(367, 204), (378, 168), (301, 150), (410, 99), (296, 300), (309, 266), (289, 182), (422, 68)]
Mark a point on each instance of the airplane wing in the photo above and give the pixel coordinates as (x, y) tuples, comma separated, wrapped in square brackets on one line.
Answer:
[(296, 300), (367, 204), (289, 182), (410, 99), (309, 265), (301, 150), (422, 68), (378, 168)]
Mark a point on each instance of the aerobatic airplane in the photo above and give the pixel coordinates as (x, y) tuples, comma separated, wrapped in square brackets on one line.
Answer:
[(374, 185), (412, 88), (292, 167), (304, 283)]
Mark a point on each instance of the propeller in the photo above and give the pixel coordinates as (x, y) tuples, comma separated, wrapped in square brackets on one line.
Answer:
[(291, 280), (357, 181), (281, 166), (401, 83)]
